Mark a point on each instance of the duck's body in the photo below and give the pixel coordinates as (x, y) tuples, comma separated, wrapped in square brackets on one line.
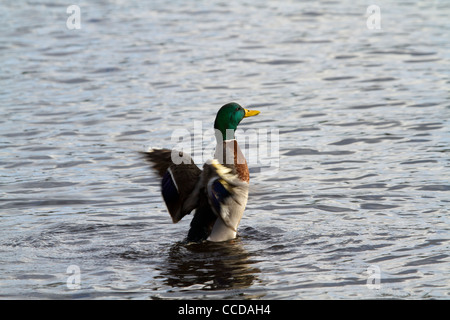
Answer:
[(218, 193)]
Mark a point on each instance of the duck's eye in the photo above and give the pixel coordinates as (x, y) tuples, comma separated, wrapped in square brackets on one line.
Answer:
[(237, 109)]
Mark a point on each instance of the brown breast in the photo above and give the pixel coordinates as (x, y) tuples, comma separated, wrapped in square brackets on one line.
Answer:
[(232, 157), (240, 163)]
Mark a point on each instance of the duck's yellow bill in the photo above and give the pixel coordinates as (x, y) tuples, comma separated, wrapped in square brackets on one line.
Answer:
[(250, 113)]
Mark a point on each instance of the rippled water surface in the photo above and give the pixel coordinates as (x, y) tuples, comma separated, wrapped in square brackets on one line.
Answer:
[(363, 119)]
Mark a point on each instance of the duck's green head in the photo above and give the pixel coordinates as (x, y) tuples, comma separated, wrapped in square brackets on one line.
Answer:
[(228, 117)]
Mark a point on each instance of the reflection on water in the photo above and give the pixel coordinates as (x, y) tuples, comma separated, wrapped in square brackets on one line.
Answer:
[(210, 266)]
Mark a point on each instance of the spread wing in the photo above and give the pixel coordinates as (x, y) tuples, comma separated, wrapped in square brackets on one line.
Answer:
[(180, 180), (227, 194)]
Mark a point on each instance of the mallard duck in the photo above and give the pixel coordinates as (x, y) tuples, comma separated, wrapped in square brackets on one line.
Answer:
[(219, 192)]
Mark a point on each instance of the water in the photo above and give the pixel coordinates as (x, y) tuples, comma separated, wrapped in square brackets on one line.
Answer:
[(363, 178)]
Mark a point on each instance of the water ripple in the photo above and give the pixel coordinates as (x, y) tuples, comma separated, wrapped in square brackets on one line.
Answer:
[(362, 174)]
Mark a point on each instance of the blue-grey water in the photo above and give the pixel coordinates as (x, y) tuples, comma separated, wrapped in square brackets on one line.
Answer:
[(356, 208)]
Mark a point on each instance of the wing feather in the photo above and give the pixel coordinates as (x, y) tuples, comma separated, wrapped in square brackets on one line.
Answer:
[(179, 181)]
